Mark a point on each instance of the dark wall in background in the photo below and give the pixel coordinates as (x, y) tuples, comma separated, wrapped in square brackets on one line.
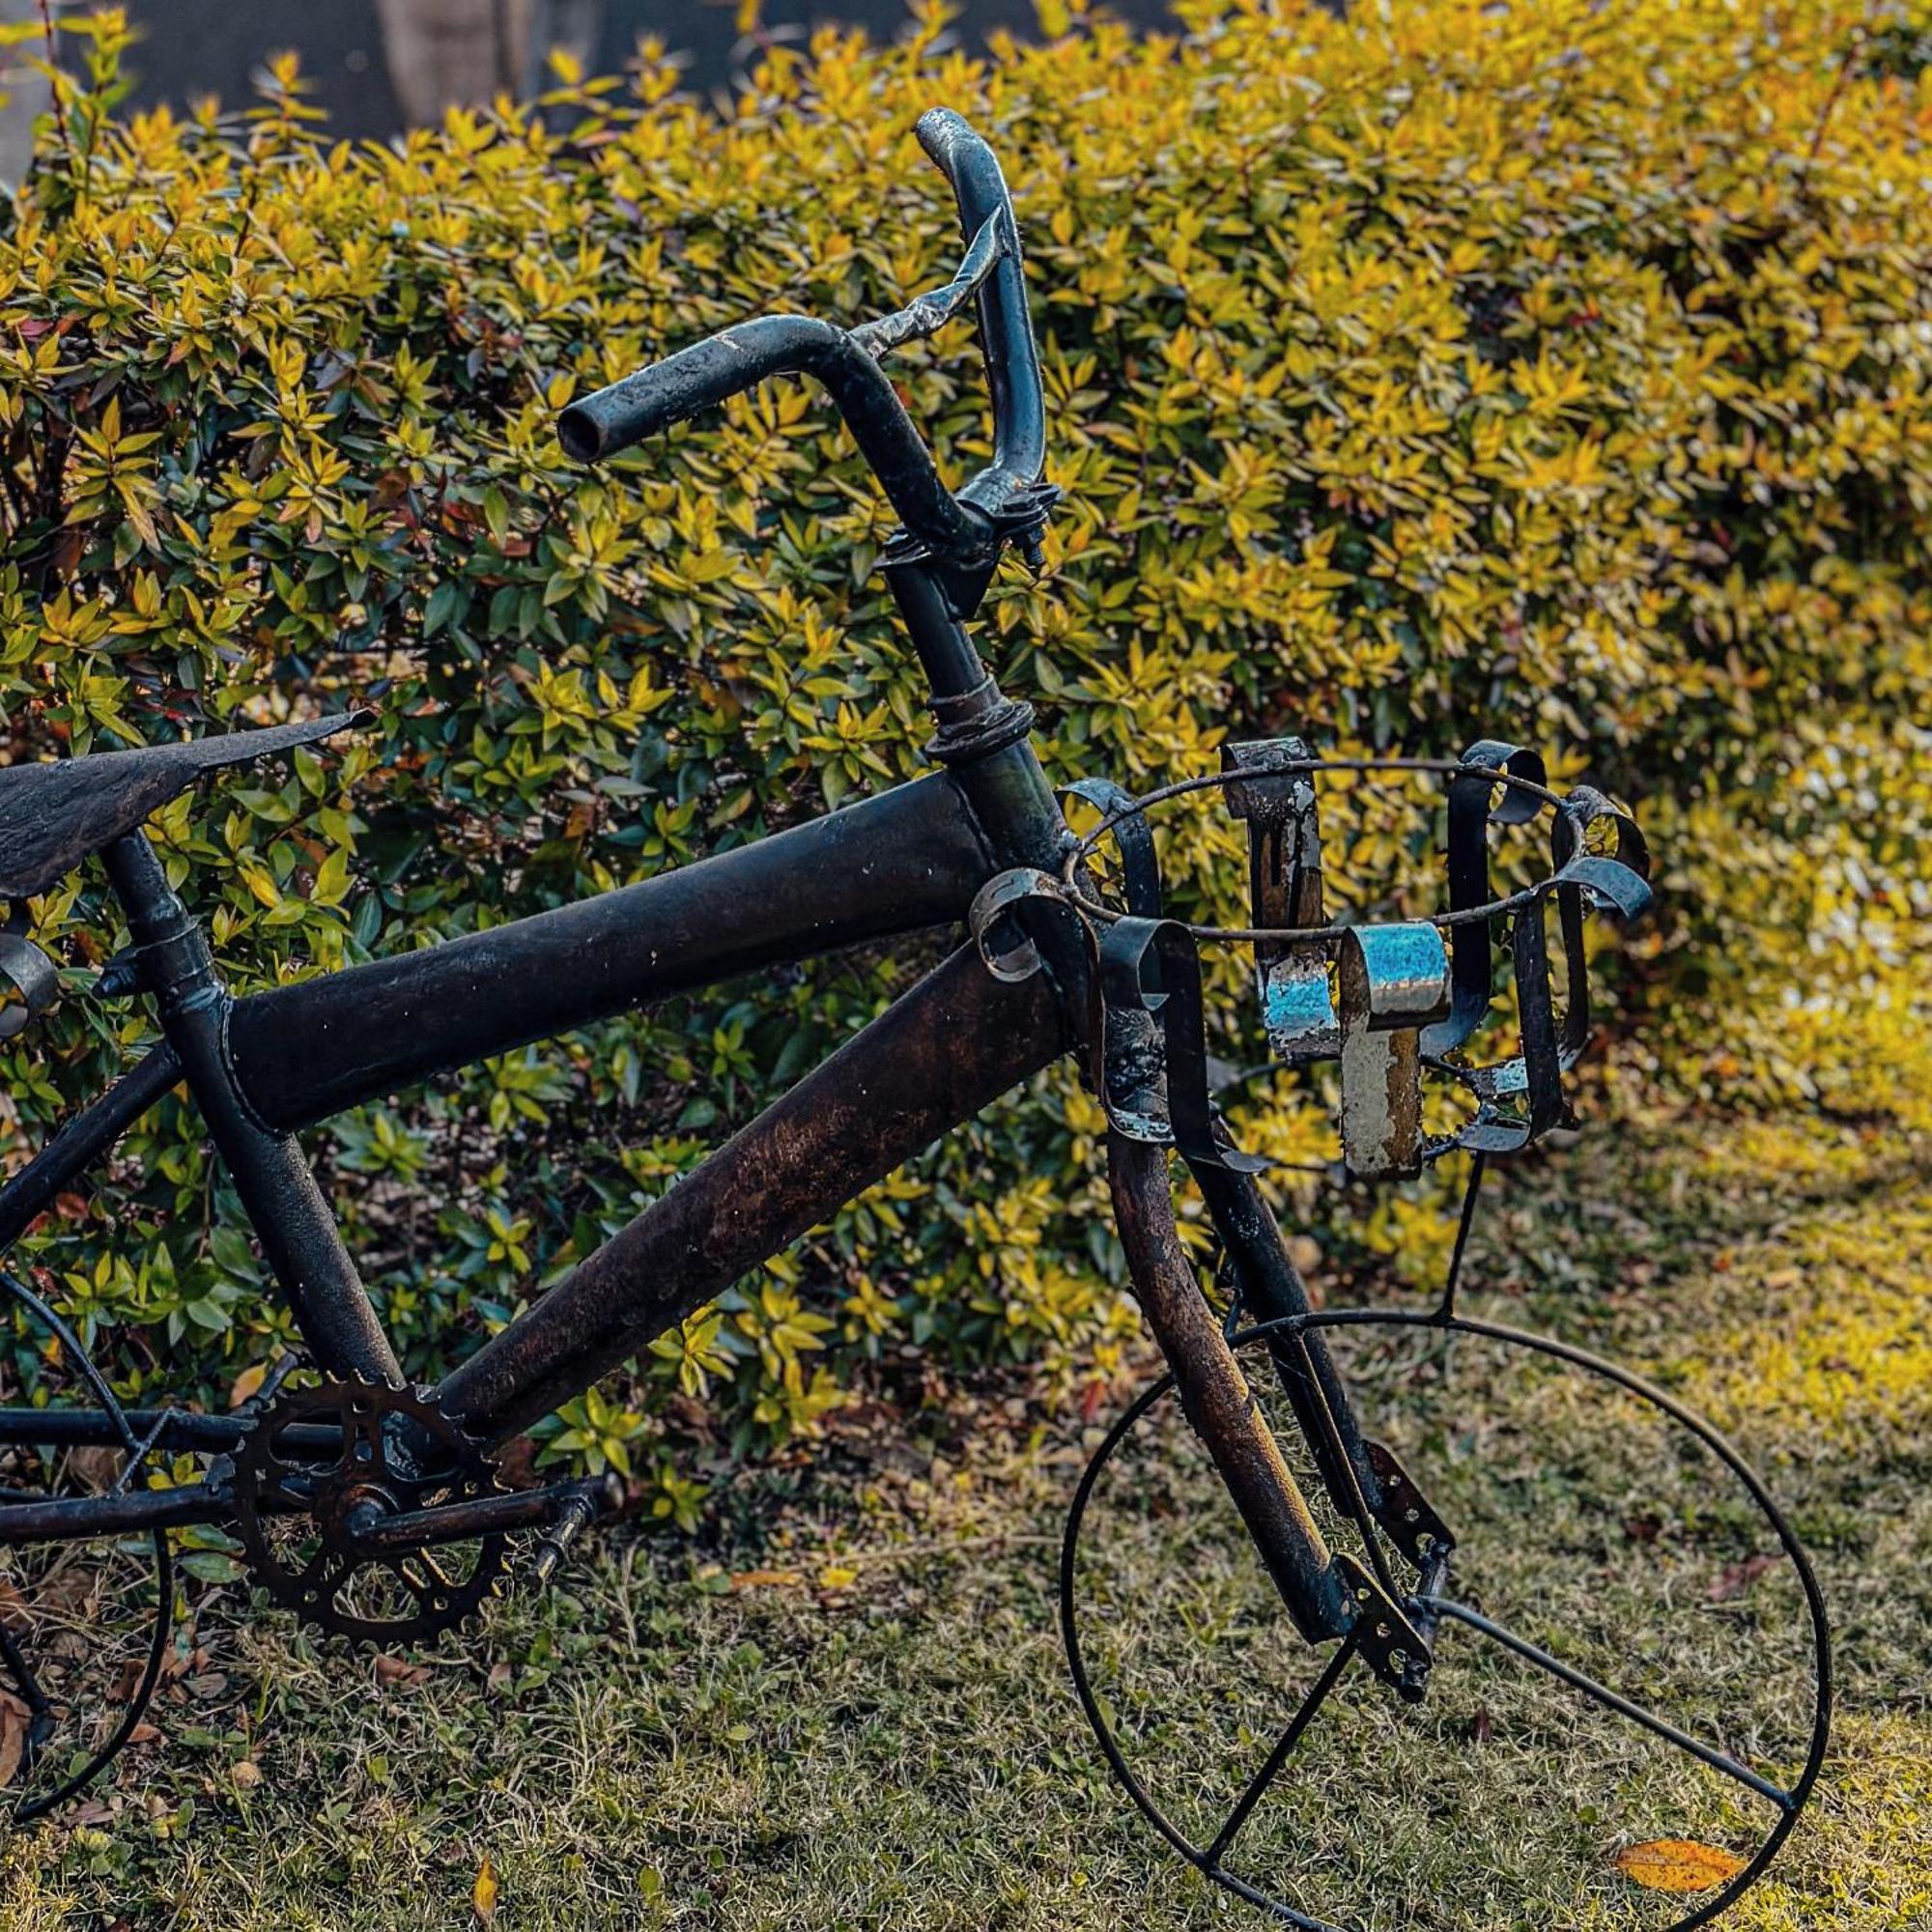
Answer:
[(191, 47)]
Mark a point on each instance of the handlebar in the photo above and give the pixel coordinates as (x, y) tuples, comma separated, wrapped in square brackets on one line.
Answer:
[(1006, 326), (741, 357)]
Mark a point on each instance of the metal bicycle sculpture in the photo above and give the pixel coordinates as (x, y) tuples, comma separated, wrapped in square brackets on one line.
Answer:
[(376, 1509)]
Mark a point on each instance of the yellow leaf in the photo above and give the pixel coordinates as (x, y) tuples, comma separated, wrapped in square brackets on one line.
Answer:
[(483, 1893), (837, 1576), (758, 1580), (246, 1384), (1678, 1864)]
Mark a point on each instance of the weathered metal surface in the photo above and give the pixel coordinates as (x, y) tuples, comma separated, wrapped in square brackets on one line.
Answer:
[(1284, 887), (395, 1455), (54, 816), (1150, 966), (925, 315), (33, 976), (1520, 1098), (1215, 1396), (1362, 1477), (901, 861), (1392, 980), (750, 352), (292, 1220), (953, 1045), (1475, 804)]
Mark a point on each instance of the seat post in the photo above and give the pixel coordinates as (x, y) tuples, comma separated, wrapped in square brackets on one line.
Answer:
[(292, 1220)]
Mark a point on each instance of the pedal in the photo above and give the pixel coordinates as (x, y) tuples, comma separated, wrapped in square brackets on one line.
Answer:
[(573, 1516)]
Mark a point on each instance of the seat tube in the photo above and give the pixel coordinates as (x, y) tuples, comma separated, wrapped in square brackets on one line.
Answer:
[(292, 1220)]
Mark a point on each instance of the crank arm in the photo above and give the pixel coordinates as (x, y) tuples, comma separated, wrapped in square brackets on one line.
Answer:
[(485, 1516)]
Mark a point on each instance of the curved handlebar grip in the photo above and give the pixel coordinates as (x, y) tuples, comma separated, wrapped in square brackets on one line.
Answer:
[(740, 359), (681, 386), (1006, 328)]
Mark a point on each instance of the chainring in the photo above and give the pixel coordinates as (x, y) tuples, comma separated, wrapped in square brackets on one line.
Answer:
[(323, 1454)]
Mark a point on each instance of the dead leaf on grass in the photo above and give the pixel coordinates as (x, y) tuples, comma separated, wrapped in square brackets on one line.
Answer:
[(1678, 1864), (1737, 1578), (483, 1893), (12, 1740)]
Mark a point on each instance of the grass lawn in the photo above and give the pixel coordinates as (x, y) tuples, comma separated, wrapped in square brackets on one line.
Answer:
[(853, 1711)]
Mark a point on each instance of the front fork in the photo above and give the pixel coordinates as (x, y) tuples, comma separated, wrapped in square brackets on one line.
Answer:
[(1327, 1594)]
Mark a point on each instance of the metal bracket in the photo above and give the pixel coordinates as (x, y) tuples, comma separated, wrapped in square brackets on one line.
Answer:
[(1390, 1644), (1406, 1513), (1393, 980), (1284, 887)]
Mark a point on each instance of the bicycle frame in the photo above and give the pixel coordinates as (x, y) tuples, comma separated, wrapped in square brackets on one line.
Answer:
[(905, 861)]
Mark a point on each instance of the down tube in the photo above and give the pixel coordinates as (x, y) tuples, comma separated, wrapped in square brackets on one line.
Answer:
[(955, 1043)]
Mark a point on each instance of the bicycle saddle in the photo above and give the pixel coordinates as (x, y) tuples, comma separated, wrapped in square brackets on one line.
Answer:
[(54, 815)]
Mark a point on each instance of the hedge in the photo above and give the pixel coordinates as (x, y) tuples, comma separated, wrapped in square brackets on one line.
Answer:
[(1559, 371)]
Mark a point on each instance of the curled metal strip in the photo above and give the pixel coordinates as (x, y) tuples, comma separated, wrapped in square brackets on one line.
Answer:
[(34, 977), (1543, 1063), (1476, 800), (1140, 866), (1269, 787), (1150, 966), (1523, 1098), (1619, 882), (989, 918)]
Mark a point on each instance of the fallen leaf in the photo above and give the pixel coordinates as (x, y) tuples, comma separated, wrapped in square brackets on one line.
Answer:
[(97, 1466), (483, 1893), (12, 1742), (752, 1579), (1739, 1577), (246, 1384), (245, 1774), (400, 1671), (1678, 1864), (837, 1576)]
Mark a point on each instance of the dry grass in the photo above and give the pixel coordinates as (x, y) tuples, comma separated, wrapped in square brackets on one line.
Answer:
[(889, 1741)]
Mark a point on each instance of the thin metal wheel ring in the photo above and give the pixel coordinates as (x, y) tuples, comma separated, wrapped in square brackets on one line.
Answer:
[(1294, 1325), (25, 1809)]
